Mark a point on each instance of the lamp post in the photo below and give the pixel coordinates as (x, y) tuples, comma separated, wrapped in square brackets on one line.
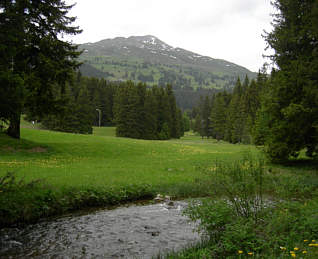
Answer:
[(99, 116)]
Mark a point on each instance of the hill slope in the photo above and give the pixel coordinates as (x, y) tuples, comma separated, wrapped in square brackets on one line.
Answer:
[(148, 59)]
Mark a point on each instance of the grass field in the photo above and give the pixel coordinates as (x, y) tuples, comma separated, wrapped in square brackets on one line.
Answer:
[(101, 160), (100, 170), (81, 171)]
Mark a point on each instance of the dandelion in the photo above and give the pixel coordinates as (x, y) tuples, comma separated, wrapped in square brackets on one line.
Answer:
[(304, 252), (283, 248), (250, 253), (315, 245), (305, 240), (293, 255), (296, 248), (313, 241), (240, 251)]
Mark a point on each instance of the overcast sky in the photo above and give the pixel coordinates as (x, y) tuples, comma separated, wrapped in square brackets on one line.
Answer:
[(225, 29)]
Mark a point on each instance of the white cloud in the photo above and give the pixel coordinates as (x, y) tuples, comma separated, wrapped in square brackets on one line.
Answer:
[(229, 29)]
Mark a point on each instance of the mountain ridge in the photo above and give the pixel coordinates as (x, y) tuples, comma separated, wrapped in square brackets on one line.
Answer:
[(149, 59)]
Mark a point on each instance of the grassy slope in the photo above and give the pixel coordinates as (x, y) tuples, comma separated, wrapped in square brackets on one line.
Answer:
[(68, 160)]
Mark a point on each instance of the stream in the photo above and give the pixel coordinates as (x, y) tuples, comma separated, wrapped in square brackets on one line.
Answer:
[(125, 232)]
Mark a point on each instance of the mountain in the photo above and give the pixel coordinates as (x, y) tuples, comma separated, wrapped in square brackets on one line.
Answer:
[(150, 60)]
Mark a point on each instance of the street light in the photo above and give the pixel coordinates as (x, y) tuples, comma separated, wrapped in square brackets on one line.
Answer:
[(99, 116)]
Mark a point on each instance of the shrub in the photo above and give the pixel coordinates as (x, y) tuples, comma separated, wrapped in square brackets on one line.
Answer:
[(243, 223)]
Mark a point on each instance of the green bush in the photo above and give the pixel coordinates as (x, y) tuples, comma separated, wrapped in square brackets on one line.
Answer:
[(240, 222), (242, 184)]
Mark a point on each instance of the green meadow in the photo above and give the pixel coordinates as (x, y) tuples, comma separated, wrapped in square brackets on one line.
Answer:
[(48, 173), (101, 160)]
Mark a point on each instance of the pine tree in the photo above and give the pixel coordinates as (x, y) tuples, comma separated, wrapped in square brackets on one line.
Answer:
[(174, 122), (236, 118), (198, 125), (164, 114), (219, 115), (205, 117), (140, 109), (32, 57), (291, 111), (150, 119)]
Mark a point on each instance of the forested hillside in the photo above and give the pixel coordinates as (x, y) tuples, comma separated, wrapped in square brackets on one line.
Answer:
[(149, 60)]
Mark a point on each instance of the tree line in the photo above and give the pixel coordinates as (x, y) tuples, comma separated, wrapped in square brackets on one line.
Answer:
[(230, 116), (137, 110), (278, 111)]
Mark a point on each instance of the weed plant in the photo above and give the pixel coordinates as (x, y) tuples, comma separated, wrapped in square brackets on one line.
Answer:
[(240, 221)]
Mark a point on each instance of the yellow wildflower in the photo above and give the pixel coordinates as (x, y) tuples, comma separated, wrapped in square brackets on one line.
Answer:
[(305, 240), (304, 252), (250, 253), (296, 248), (293, 255), (240, 251), (283, 248), (315, 245), (313, 241), (292, 252)]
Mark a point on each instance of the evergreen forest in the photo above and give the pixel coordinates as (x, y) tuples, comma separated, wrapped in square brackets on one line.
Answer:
[(40, 77)]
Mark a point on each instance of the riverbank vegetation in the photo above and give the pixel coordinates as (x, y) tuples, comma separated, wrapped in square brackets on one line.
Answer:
[(257, 211), (77, 171)]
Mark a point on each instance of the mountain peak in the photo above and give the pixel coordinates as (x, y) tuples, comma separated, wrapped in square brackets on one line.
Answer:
[(149, 59)]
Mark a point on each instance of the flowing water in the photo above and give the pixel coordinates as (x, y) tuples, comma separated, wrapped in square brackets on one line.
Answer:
[(124, 232)]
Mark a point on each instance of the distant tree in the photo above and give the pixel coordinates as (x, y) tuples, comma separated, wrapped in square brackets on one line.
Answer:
[(237, 117), (77, 114), (174, 122), (198, 125), (186, 122), (126, 107), (218, 115), (150, 118), (146, 113)]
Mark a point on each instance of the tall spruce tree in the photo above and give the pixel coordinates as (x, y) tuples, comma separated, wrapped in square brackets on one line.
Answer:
[(205, 117), (236, 118), (174, 123), (34, 62), (219, 115), (290, 110), (150, 119)]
